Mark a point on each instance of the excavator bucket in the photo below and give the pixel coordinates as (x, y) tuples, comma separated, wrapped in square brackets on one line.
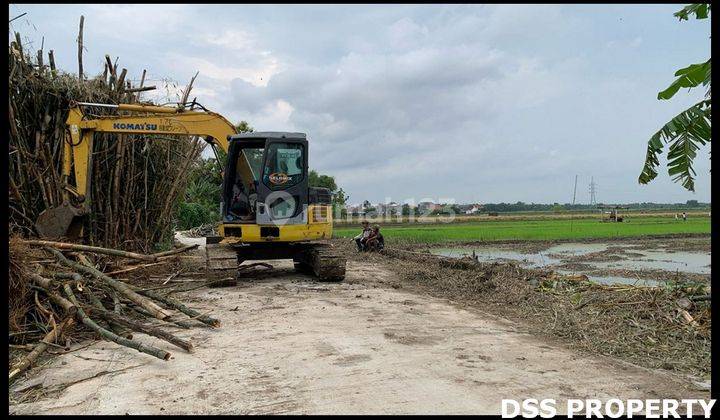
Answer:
[(63, 221)]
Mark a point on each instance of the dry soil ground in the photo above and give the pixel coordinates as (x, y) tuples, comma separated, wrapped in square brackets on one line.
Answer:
[(289, 344)]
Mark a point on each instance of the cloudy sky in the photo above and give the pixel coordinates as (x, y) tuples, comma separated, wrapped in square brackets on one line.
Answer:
[(482, 103)]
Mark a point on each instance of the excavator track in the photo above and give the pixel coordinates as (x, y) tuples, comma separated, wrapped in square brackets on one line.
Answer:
[(220, 257), (322, 261), (317, 259)]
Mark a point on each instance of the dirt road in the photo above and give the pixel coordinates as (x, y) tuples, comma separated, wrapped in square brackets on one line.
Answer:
[(291, 345)]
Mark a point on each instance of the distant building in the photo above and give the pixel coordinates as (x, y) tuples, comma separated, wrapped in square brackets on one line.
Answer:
[(357, 209), (475, 209), (389, 208), (428, 206)]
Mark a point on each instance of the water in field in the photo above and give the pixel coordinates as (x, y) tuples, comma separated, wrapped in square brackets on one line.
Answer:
[(618, 280), (577, 248), (605, 256), (537, 260), (685, 262)]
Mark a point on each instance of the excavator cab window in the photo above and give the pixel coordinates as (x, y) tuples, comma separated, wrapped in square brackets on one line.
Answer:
[(272, 168), (241, 181), (283, 166)]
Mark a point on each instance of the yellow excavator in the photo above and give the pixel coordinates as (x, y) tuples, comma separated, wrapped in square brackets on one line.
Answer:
[(268, 210)]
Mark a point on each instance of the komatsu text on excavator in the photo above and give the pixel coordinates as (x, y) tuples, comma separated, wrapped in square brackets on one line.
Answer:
[(268, 210)]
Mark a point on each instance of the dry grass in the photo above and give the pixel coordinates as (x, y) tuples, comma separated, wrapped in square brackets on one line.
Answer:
[(18, 285), (639, 324)]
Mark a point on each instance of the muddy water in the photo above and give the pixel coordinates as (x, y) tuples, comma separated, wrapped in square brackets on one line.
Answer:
[(627, 257), (537, 260), (686, 262)]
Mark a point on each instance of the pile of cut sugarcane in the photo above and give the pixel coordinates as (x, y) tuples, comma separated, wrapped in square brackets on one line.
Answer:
[(137, 180), (65, 290)]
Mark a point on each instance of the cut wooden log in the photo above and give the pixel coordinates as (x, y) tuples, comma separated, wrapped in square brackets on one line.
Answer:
[(80, 48), (146, 329), (115, 327), (180, 323), (51, 58), (153, 351), (176, 304), (121, 287), (93, 249), (186, 93), (28, 360), (140, 89), (48, 287), (175, 251), (133, 268)]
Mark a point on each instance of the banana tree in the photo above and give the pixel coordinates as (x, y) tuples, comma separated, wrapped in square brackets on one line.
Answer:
[(690, 129)]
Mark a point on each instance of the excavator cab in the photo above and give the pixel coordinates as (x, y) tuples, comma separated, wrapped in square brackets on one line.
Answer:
[(266, 179)]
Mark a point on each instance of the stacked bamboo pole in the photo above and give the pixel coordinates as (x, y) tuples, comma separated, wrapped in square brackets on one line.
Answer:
[(70, 286), (137, 180)]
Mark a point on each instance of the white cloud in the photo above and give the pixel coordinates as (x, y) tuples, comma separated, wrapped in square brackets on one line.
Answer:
[(231, 39), (138, 20), (256, 74)]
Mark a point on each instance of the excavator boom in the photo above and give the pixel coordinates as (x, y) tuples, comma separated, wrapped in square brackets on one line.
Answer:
[(66, 219)]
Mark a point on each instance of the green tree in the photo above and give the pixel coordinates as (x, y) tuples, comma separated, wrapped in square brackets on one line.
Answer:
[(321, 181), (690, 129), (339, 197), (244, 127)]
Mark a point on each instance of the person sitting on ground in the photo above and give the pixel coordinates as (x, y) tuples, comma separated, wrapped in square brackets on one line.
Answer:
[(362, 236), (375, 242)]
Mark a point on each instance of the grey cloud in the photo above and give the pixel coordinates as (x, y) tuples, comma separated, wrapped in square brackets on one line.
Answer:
[(475, 102)]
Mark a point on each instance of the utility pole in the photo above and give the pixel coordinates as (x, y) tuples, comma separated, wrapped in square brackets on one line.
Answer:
[(593, 191), (572, 218), (575, 190)]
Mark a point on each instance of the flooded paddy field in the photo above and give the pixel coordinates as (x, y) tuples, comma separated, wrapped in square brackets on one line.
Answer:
[(642, 262)]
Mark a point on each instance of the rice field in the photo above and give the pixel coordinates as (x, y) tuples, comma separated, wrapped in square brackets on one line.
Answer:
[(535, 229)]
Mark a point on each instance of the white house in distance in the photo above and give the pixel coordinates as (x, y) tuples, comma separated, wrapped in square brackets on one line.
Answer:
[(391, 207), (475, 209), (356, 209)]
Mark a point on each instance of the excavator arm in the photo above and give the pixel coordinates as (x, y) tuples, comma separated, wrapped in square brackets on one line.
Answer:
[(142, 119), (137, 119)]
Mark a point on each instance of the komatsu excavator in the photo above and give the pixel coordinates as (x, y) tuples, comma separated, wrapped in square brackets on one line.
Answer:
[(268, 210)]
